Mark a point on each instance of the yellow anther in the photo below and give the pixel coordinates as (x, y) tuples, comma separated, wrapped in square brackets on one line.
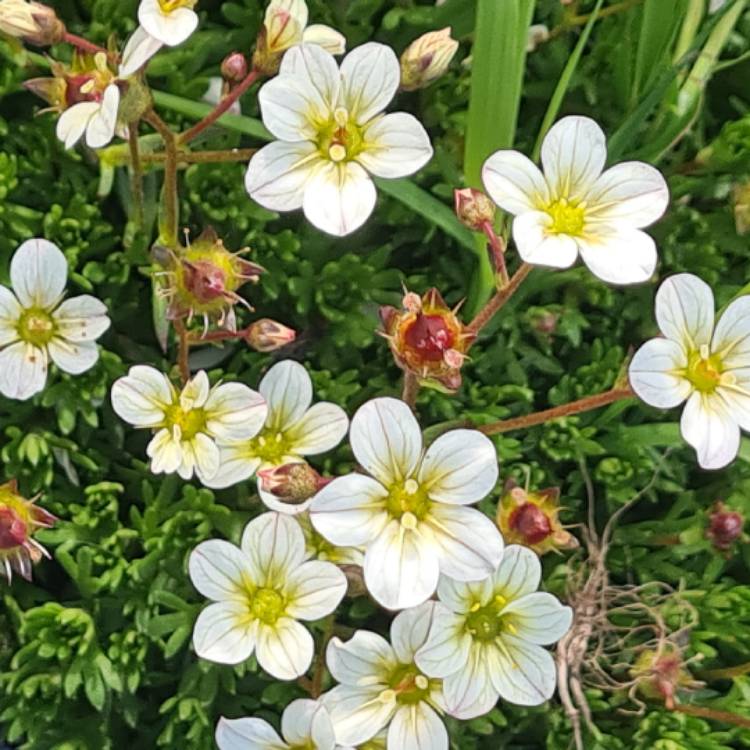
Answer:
[(422, 682), (341, 116), (409, 521), (337, 152), (411, 486)]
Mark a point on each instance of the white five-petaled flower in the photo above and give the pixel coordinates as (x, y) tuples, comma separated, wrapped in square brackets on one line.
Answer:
[(36, 325), (191, 424), (285, 25), (332, 133), (381, 686), (293, 429), (708, 366), (411, 514), (486, 638), (259, 592), (575, 207), (305, 725)]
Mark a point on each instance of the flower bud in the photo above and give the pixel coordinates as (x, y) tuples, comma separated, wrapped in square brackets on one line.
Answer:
[(293, 483), (724, 526), (473, 208), (426, 59), (355, 578), (531, 519), (538, 34), (266, 335), (741, 202), (19, 519), (31, 22), (234, 67), (427, 339), (283, 25)]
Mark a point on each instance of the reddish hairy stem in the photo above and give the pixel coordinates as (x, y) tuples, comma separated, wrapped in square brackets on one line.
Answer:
[(498, 251), (83, 44), (574, 407), (499, 299), (221, 108), (410, 390), (183, 350), (711, 713)]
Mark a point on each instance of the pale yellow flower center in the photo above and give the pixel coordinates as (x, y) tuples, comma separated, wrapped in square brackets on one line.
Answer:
[(567, 217), (267, 605), (271, 446), (169, 6), (340, 138), (704, 370), (189, 422), (36, 326), (408, 502), (485, 623)]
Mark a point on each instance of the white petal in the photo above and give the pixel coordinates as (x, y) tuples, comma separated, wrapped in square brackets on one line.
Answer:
[(731, 339), (306, 721), (73, 357), (538, 618), (314, 590), (685, 310), (655, 373), (417, 727), (538, 246), (386, 440), (10, 313), (710, 427), (469, 692), (737, 398), (235, 412), (287, 389), (350, 511), (207, 456), (631, 191), (459, 467), (401, 567), (72, 123), (396, 145), (274, 545), (448, 645), (618, 254), (23, 371), (284, 649), (321, 429), (38, 272), (277, 174), (141, 47), (518, 574), (195, 392), (357, 713), (247, 734), (573, 155), (81, 318), (324, 36), (101, 127), (218, 570), (166, 453), (236, 464), (142, 396), (409, 630), (460, 596), (514, 182), (224, 634), (339, 198), (371, 75), (365, 660), (521, 672), (302, 96), (169, 28), (469, 545)]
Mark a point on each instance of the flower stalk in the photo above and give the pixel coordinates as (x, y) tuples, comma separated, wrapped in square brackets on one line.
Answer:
[(500, 297)]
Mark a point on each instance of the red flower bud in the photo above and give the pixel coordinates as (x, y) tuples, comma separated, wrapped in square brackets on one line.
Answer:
[(724, 526), (234, 67), (266, 335), (293, 483), (473, 208)]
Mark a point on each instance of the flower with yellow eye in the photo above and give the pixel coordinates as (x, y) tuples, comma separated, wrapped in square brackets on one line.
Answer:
[(577, 208), (37, 325), (332, 134), (705, 365), (191, 424)]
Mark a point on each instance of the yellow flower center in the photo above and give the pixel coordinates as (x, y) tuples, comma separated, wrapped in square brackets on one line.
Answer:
[(267, 605), (169, 6), (340, 139), (486, 623), (408, 685), (408, 502), (567, 218), (271, 446), (190, 422), (704, 370), (36, 326)]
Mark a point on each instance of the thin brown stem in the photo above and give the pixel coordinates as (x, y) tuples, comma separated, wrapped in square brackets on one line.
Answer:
[(201, 157), (214, 336), (222, 107), (183, 350), (581, 20), (136, 174), (169, 190), (499, 299), (726, 673), (83, 44), (410, 389), (497, 247), (711, 713), (574, 407), (320, 662)]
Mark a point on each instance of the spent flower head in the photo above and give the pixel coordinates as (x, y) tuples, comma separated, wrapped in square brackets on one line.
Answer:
[(410, 513), (259, 591), (426, 59), (38, 325), (725, 526)]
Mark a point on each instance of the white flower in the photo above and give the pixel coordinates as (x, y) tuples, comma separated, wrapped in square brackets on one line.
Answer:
[(486, 638), (36, 325), (318, 548), (708, 366), (304, 724), (259, 592), (331, 133), (575, 208), (382, 687), (285, 25), (293, 430), (410, 514), (189, 425)]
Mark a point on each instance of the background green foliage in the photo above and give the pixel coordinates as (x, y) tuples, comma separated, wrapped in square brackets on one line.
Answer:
[(95, 654)]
